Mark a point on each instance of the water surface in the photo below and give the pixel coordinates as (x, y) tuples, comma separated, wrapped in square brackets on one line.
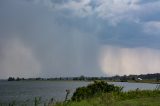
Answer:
[(27, 90)]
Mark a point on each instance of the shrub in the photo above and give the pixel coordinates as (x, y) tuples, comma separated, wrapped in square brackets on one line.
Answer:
[(97, 88)]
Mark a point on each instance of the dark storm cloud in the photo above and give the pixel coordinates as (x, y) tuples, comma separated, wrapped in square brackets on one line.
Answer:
[(54, 48), (51, 38)]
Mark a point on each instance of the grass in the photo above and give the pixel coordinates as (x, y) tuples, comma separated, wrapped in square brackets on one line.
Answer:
[(150, 101), (130, 98)]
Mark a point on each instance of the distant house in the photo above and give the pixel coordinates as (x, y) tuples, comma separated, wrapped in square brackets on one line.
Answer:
[(139, 79)]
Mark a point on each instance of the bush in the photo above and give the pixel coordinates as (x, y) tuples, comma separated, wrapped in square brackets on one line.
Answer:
[(97, 88)]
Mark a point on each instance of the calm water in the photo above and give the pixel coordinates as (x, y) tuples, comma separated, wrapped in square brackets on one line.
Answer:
[(27, 90)]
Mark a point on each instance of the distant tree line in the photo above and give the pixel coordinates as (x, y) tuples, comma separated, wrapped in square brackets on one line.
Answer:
[(124, 78), (15, 79)]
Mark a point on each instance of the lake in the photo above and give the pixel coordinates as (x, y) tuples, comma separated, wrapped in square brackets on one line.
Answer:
[(28, 90)]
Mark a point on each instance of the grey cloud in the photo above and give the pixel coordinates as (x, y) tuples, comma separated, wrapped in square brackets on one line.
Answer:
[(63, 38), (152, 28), (52, 49)]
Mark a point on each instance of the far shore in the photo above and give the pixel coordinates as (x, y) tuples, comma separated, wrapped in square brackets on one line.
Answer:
[(129, 81)]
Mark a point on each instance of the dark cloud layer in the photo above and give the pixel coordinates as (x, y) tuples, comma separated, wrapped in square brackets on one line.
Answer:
[(56, 48), (52, 38)]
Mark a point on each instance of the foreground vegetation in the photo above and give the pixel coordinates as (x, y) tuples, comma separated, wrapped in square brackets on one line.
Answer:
[(149, 101), (100, 93), (130, 98)]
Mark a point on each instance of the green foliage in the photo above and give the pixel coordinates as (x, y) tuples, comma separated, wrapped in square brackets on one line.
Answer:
[(12, 103), (149, 101), (130, 98), (37, 101), (138, 94), (111, 99), (97, 88)]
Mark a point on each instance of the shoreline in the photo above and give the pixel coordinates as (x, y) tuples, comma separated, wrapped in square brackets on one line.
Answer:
[(129, 81)]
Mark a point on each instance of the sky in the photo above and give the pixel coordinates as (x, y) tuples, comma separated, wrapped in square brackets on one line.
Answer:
[(65, 38)]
